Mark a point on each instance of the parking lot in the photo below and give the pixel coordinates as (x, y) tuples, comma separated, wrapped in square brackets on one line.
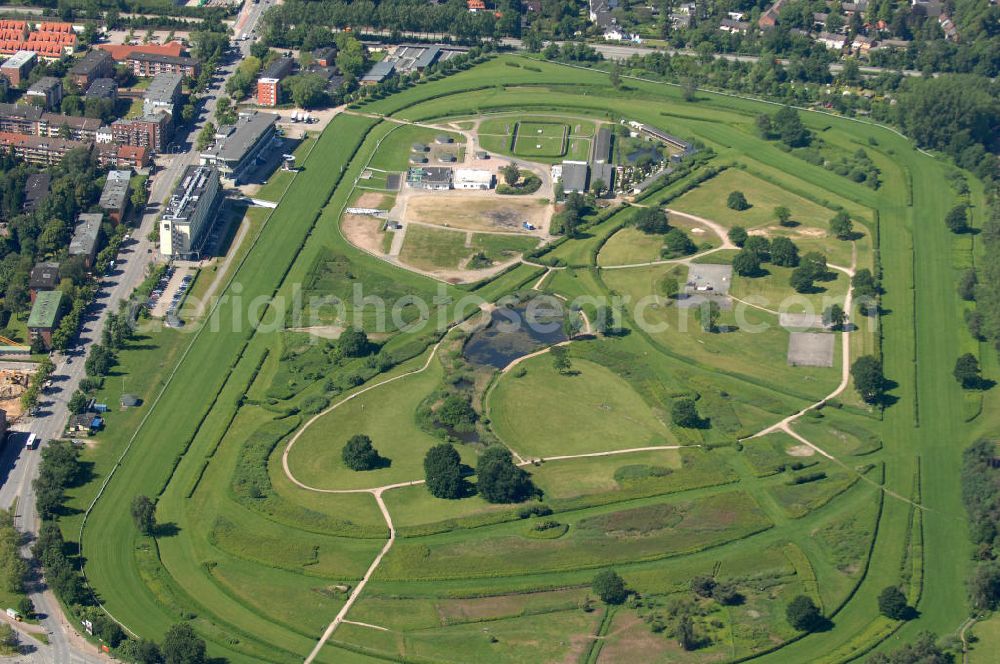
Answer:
[(169, 292)]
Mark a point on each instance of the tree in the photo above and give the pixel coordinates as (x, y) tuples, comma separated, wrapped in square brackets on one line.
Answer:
[(815, 262), (737, 201), (677, 243), (144, 514), (225, 112), (77, 403), (868, 378), (967, 285), (206, 136), (789, 128), (685, 632), (689, 88), (182, 646), (784, 252), (498, 480), (967, 372), (359, 454), (8, 637), (760, 245), (511, 174), (560, 359), (652, 221), (892, 603), (864, 284), (842, 226), (764, 126), (684, 413), (783, 215), (610, 587), (957, 219), (801, 279), (703, 585), (443, 472), (708, 315), (616, 75), (738, 235), (670, 286), (984, 586), (834, 316), (307, 90), (802, 614), (353, 342), (597, 187), (746, 263), (100, 361)]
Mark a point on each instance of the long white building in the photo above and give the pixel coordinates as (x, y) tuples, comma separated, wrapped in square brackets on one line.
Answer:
[(190, 212)]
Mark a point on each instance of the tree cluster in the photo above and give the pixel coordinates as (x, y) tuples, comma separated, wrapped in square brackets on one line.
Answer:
[(499, 480)]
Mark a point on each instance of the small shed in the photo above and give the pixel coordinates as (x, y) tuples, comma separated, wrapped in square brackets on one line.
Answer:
[(130, 401), (443, 139), (419, 147)]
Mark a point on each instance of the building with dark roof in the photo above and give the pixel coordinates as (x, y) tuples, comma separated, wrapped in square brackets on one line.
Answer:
[(43, 277), (605, 173), (103, 88), (36, 189), (115, 195), (163, 93), (380, 71), (152, 132), (325, 56), (574, 177), (86, 236), (46, 311), (435, 178), (602, 145), (236, 153), (95, 64), (58, 125), (46, 92)]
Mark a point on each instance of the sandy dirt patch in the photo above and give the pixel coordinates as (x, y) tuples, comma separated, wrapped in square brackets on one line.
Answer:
[(321, 331), (469, 211), (796, 231), (363, 231), (370, 199), (800, 451)]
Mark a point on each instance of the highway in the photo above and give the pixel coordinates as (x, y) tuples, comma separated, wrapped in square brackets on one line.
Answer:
[(19, 466)]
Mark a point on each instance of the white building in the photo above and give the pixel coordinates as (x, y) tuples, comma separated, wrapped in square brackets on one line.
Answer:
[(188, 214), (473, 178)]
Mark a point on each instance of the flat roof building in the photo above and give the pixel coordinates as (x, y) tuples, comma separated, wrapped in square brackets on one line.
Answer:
[(46, 92), (473, 178), (236, 153), (269, 82), (86, 236), (436, 178), (114, 196), (18, 66), (602, 146), (103, 88), (189, 214), (163, 93), (36, 188), (150, 64), (574, 177), (95, 64)]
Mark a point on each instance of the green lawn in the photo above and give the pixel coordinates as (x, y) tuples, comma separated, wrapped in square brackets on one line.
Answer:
[(543, 413), (630, 245), (709, 200), (394, 152), (430, 248), (538, 139), (257, 571)]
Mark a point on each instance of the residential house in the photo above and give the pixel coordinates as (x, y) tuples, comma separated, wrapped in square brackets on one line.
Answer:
[(36, 189), (733, 26), (86, 237), (269, 82), (832, 41), (18, 66), (152, 132), (145, 65), (46, 312), (92, 66), (43, 277), (115, 195), (103, 88), (46, 92), (163, 94)]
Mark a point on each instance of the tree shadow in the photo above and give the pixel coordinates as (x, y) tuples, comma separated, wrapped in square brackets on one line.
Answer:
[(168, 529)]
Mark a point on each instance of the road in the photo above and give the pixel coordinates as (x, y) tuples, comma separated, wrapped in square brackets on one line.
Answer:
[(19, 466)]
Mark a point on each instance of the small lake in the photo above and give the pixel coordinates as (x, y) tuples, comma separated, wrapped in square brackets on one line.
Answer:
[(516, 331)]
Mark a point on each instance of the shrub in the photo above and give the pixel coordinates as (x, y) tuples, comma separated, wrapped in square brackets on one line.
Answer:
[(684, 413), (737, 201)]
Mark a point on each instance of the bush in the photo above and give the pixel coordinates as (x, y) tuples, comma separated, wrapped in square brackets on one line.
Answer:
[(684, 413), (738, 235)]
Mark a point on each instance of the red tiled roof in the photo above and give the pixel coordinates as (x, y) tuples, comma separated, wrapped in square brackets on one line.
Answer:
[(122, 51)]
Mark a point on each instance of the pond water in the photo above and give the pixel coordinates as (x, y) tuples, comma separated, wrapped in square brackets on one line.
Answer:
[(516, 331), (652, 153)]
